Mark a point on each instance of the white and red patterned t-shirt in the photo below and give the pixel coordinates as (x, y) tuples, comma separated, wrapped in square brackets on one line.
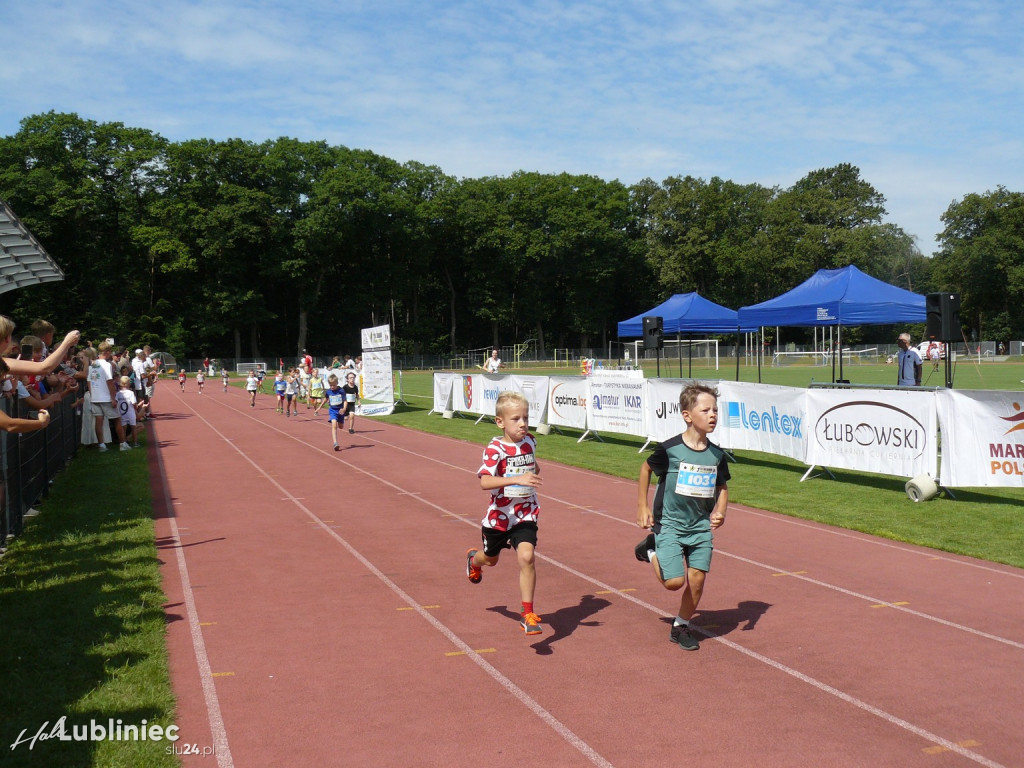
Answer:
[(512, 504)]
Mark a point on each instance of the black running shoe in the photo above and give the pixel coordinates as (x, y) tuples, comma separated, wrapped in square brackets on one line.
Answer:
[(681, 636), (641, 549)]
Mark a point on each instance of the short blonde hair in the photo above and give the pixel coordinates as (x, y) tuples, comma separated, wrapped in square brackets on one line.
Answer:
[(125, 381), (509, 398), (34, 341)]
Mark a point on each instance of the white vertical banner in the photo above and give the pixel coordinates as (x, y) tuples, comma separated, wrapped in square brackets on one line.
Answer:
[(492, 385), (884, 431), (982, 438), (378, 386), (664, 419), (567, 401), (467, 393), (442, 391), (535, 390), (616, 405), (762, 417)]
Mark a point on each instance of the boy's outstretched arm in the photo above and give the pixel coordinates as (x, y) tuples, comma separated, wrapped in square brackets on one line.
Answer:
[(721, 505), (644, 516)]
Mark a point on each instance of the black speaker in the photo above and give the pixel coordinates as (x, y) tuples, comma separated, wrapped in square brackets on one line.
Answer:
[(653, 338), (942, 316)]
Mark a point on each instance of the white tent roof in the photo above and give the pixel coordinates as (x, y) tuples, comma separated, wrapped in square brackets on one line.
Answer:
[(23, 260)]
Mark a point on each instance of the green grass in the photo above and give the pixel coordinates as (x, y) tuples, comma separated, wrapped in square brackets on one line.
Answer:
[(983, 523), (83, 628)]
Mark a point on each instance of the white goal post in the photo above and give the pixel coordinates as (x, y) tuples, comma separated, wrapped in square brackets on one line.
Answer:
[(247, 367), (703, 349)]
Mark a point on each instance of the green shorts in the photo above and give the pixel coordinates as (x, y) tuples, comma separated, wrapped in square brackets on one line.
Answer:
[(677, 550)]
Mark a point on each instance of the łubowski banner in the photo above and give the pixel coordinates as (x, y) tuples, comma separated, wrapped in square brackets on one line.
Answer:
[(884, 431), (982, 438), (377, 382)]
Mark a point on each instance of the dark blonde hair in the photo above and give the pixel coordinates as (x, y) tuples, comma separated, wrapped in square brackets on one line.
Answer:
[(688, 397)]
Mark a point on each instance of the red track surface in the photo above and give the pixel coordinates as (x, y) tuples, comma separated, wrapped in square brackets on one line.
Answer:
[(319, 615)]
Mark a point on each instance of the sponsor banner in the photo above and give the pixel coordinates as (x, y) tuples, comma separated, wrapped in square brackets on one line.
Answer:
[(664, 419), (535, 389), (467, 393), (567, 402), (478, 392), (762, 417), (615, 374), (377, 383), (616, 405), (883, 431), (376, 380), (378, 337), (982, 438), (443, 391)]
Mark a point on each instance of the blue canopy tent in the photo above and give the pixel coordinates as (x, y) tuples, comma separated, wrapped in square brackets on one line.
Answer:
[(686, 313), (837, 297)]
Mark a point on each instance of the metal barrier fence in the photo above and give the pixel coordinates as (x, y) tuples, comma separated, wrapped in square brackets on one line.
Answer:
[(31, 461)]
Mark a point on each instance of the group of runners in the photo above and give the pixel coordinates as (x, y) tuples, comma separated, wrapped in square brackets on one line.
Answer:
[(336, 389)]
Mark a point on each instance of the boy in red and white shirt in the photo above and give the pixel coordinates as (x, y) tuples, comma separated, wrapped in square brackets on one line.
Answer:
[(511, 474)]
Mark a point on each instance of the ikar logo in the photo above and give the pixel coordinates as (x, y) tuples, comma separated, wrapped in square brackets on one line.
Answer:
[(869, 427)]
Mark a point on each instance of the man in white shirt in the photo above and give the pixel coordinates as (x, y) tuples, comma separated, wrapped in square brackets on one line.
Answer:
[(103, 391)]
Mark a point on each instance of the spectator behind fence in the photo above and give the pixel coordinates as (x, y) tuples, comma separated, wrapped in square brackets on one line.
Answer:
[(30, 367), (88, 357), (21, 426), (103, 390), (44, 330)]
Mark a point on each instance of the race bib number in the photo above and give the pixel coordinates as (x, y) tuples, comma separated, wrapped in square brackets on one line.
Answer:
[(517, 466), (350, 398), (696, 480)]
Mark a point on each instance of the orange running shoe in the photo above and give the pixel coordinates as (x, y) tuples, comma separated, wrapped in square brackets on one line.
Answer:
[(531, 624), (474, 572)]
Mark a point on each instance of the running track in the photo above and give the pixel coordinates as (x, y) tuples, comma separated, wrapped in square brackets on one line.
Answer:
[(319, 615)]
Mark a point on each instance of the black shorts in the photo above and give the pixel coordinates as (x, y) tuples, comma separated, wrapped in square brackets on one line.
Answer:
[(495, 541), (141, 396)]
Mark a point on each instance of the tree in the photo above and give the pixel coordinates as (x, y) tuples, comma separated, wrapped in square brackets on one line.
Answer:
[(981, 257)]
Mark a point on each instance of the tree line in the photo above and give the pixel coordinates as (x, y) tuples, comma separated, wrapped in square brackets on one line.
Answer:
[(242, 249)]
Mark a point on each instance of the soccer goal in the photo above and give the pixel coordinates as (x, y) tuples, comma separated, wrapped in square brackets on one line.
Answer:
[(801, 358), (701, 351), (562, 358), (247, 368)]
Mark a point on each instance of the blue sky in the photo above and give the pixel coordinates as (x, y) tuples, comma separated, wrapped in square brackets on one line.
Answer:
[(926, 98)]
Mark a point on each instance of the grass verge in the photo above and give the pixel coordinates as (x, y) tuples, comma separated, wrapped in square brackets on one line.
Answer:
[(83, 628)]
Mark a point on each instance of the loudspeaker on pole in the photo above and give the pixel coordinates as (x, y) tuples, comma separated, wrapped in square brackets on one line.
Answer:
[(653, 336), (942, 316)]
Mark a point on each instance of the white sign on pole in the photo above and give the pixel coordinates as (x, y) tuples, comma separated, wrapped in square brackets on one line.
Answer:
[(982, 438), (442, 391), (377, 377)]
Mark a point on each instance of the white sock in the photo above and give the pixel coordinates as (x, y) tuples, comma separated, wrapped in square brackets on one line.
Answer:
[(680, 622), (650, 554)]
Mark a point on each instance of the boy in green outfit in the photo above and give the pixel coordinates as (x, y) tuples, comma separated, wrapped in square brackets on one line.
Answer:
[(689, 504)]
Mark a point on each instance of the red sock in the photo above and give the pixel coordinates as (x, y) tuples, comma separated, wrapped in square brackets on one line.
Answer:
[(527, 608)]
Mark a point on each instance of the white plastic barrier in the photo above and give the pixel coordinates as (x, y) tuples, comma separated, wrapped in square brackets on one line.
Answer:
[(982, 438)]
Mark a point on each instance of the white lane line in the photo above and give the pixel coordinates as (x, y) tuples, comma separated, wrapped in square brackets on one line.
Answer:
[(218, 732), (888, 717), (534, 706)]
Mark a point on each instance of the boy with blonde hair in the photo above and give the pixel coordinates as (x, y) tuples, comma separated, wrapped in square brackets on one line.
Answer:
[(689, 504), (510, 473)]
